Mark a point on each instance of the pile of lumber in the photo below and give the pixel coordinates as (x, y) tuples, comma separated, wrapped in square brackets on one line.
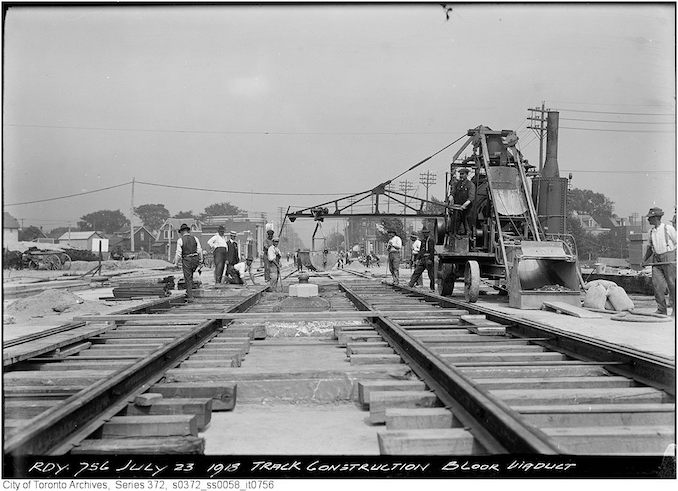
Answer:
[(129, 288)]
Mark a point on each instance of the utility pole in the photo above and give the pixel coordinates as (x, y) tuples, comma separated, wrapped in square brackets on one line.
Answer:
[(131, 217), (540, 129), (427, 179), (405, 187)]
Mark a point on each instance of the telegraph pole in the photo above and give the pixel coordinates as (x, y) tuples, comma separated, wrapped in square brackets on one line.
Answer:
[(427, 178), (540, 129), (405, 187), (131, 217)]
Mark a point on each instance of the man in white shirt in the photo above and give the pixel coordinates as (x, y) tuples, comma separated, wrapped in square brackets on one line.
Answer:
[(274, 256), (189, 252), (661, 251), (416, 244), (219, 247), (393, 247), (242, 268)]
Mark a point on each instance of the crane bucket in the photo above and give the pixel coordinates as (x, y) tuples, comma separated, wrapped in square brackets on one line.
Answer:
[(543, 271)]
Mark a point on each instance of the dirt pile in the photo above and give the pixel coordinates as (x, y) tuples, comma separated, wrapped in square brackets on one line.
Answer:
[(305, 328), (51, 302)]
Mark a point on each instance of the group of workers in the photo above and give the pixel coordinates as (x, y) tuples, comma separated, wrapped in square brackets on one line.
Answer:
[(422, 257)]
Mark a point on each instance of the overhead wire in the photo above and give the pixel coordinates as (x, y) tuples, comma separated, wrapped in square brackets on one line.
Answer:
[(68, 196)]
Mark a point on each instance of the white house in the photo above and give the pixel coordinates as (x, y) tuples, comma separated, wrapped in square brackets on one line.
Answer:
[(10, 228), (84, 241)]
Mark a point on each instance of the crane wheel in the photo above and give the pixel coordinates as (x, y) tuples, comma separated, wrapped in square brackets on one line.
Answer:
[(471, 281)]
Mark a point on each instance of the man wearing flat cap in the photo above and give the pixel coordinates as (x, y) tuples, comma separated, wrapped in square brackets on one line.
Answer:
[(189, 253), (232, 257), (394, 245), (219, 247), (661, 254), (274, 256), (463, 194)]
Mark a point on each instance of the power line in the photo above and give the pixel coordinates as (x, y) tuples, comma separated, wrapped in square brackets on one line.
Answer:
[(619, 131), (613, 112), (618, 122), (238, 192), (206, 132), (68, 196)]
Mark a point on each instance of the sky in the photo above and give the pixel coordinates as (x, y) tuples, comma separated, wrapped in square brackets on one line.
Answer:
[(322, 101)]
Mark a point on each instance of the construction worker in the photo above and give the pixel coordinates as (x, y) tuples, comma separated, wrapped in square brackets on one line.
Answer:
[(242, 268), (232, 257), (268, 242), (219, 247), (661, 254), (274, 256), (416, 245), (394, 245), (300, 264), (425, 260), (463, 193), (190, 254)]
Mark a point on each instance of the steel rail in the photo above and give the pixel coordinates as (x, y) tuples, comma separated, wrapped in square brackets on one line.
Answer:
[(59, 429), (498, 428), (646, 368)]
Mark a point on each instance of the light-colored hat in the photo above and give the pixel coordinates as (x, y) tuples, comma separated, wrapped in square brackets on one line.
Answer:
[(276, 239), (233, 232)]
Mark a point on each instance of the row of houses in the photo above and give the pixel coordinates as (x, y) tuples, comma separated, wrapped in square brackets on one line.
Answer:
[(250, 231)]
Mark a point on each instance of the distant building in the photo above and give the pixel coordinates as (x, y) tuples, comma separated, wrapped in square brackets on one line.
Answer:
[(250, 231), (10, 228), (86, 241), (143, 239), (589, 224)]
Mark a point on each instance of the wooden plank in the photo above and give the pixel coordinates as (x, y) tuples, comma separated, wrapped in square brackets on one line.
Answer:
[(452, 441), (488, 348), (551, 382), (625, 440), (232, 362), (365, 387), (53, 378), (201, 408), (376, 350), (599, 415), (381, 400), (502, 356), (418, 418), (25, 409), (570, 370), (145, 446), (564, 308), (223, 394), (524, 397), (375, 359), (158, 425)]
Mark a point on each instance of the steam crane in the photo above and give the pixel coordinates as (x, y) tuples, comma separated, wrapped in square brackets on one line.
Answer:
[(516, 242)]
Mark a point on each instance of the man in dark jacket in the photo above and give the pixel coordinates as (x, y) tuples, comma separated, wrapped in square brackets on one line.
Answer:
[(463, 194), (189, 252), (232, 258), (425, 260)]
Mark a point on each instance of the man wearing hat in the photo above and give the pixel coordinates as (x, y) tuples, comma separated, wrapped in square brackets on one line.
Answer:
[(425, 260), (242, 268), (416, 245), (661, 254), (190, 254), (463, 194), (394, 245), (268, 242), (219, 247), (274, 256), (232, 257)]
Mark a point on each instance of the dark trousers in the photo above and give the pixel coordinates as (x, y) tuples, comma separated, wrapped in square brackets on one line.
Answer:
[(424, 264), (394, 266), (663, 277), (219, 263), (189, 264)]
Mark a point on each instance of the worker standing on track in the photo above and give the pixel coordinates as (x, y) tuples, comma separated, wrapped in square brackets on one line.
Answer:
[(190, 254), (661, 251), (463, 194), (425, 260), (219, 247), (274, 256), (300, 264), (394, 245), (416, 245), (268, 242)]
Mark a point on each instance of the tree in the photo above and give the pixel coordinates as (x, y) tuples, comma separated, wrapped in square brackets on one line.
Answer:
[(152, 216), (335, 242), (108, 221), (30, 233), (391, 224), (220, 209), (184, 214), (590, 203)]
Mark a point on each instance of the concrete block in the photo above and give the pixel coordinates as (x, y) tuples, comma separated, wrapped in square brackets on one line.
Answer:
[(303, 290)]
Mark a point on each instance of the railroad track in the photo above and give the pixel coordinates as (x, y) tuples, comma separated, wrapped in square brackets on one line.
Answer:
[(441, 376)]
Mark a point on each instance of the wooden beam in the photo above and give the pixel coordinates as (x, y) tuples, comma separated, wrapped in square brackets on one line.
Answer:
[(145, 446), (453, 441)]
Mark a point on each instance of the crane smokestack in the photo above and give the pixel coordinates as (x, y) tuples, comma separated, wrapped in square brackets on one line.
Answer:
[(551, 163)]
